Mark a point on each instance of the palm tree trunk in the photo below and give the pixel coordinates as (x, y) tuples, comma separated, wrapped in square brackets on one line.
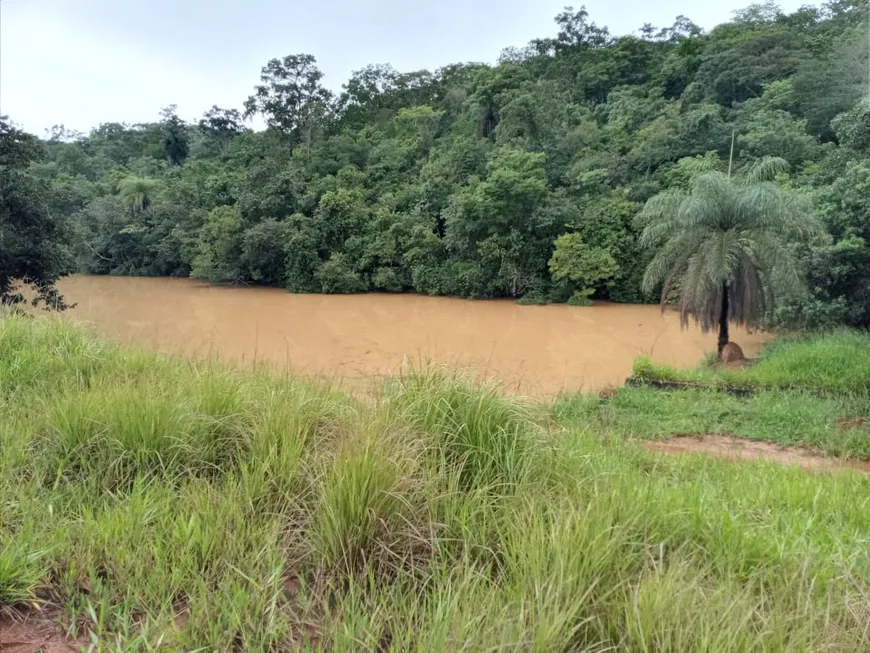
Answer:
[(723, 320)]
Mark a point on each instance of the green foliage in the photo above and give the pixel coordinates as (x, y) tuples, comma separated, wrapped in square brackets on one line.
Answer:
[(176, 142), (835, 79), (336, 276), (136, 193), (837, 268), (263, 252), (290, 98), (219, 254), (497, 225), (458, 181), (221, 125), (33, 251), (573, 260), (853, 128), (581, 298)]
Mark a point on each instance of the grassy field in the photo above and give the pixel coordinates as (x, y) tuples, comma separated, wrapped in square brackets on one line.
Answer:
[(164, 505)]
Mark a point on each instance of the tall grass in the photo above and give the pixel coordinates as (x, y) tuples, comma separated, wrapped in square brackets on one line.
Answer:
[(171, 506)]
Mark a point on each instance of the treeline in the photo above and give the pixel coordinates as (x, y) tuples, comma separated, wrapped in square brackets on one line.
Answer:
[(521, 179)]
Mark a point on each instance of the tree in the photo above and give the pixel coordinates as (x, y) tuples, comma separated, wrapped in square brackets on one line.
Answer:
[(32, 240), (573, 260), (853, 128), (832, 82), (221, 125), (365, 98), (220, 247), (725, 242), (838, 268), (290, 96), (575, 33), (263, 252), (337, 277), (497, 226), (136, 194), (176, 143)]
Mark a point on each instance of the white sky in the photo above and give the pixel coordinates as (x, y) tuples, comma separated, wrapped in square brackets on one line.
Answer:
[(84, 62)]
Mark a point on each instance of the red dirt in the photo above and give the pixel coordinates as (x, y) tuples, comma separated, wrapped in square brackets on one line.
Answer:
[(728, 447), (857, 423), (732, 353), (608, 393), (36, 634)]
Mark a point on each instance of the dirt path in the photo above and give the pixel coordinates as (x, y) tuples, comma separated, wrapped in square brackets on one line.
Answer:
[(32, 635), (728, 447)]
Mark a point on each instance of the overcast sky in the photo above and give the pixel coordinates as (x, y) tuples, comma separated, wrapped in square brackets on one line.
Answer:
[(83, 62)]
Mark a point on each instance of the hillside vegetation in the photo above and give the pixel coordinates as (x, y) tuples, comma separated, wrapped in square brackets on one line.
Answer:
[(167, 505), (521, 179)]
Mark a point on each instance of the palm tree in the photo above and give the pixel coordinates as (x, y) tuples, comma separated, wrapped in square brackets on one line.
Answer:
[(136, 193), (725, 242)]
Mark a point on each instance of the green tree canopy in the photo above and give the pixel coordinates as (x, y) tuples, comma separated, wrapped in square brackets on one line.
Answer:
[(575, 261), (290, 96), (136, 193), (33, 251)]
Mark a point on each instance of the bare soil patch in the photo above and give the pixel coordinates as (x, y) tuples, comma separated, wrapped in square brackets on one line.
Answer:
[(741, 364), (729, 447), (35, 633), (857, 423)]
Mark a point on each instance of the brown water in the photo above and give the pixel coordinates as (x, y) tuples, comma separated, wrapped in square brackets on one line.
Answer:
[(537, 350)]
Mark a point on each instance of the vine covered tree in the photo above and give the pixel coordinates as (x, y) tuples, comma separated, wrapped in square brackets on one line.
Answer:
[(32, 240), (724, 243), (176, 143)]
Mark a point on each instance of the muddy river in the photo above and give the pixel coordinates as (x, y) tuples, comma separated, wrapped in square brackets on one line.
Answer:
[(535, 350)]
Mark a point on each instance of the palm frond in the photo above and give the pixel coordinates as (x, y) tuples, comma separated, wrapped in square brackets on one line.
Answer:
[(721, 254), (765, 170), (749, 294), (656, 219), (136, 192), (698, 295), (699, 165), (673, 254)]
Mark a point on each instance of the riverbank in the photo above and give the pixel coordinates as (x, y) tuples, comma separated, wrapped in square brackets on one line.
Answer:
[(150, 502)]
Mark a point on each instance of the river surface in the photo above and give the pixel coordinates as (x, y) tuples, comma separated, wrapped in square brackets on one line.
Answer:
[(534, 350)]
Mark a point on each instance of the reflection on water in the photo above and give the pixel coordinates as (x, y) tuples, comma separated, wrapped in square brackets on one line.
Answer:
[(538, 350)]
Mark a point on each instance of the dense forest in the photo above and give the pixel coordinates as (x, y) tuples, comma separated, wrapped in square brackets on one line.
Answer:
[(523, 179)]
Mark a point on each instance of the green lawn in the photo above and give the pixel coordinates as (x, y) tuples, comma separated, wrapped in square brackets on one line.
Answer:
[(165, 505)]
